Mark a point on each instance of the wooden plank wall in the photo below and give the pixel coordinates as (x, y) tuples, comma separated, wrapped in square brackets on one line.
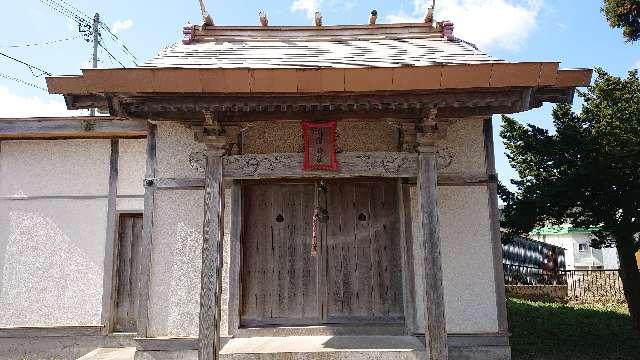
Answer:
[(129, 258)]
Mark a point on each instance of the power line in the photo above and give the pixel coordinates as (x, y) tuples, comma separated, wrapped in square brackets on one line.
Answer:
[(111, 55), (31, 67), (39, 43), (83, 22), (115, 38), (88, 29), (65, 11), (18, 80), (76, 9)]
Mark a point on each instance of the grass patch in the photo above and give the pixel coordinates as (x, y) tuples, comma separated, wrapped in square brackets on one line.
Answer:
[(550, 331)]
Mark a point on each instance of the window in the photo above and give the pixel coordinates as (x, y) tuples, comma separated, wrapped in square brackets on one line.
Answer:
[(583, 247)]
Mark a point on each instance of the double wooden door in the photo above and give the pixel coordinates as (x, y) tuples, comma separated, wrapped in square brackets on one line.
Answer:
[(356, 274)]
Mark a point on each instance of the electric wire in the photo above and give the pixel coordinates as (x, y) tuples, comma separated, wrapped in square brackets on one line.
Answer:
[(38, 43), (85, 27), (31, 67), (111, 55), (115, 38), (65, 11), (18, 80)]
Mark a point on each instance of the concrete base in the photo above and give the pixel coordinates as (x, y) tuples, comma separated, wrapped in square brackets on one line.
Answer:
[(324, 347), (127, 353), (69, 345), (59, 347)]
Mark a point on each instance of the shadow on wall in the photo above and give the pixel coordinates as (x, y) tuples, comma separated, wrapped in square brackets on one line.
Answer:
[(552, 331), (46, 278)]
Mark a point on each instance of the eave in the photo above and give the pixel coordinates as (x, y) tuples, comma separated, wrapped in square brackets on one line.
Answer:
[(293, 94), (300, 81)]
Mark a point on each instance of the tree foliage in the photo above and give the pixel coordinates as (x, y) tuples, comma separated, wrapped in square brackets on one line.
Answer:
[(586, 173), (624, 14)]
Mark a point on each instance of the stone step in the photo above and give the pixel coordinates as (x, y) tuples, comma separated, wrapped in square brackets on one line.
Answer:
[(122, 353), (324, 348)]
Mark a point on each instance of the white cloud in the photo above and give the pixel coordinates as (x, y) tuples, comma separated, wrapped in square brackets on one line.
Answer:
[(121, 25), (487, 23), (309, 7), (15, 106), (636, 65)]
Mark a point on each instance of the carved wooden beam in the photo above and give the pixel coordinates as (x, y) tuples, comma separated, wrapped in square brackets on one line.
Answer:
[(380, 164), (353, 164), (319, 102)]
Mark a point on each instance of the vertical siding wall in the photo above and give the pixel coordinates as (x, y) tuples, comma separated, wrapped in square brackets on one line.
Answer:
[(465, 233), (53, 210)]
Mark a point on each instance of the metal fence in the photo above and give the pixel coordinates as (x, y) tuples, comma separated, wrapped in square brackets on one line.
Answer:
[(582, 285), (528, 275)]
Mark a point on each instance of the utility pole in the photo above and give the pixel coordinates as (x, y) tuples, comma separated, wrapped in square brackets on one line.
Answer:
[(96, 41)]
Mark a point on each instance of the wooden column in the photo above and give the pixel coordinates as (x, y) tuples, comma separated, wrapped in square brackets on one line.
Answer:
[(211, 275), (435, 329)]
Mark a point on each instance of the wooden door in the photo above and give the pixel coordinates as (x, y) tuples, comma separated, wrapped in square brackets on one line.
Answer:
[(128, 262), (279, 275), (356, 275), (364, 273)]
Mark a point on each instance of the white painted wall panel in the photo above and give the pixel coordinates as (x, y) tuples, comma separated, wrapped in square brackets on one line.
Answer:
[(51, 262), (54, 167), (176, 263), (132, 166), (174, 145), (468, 275)]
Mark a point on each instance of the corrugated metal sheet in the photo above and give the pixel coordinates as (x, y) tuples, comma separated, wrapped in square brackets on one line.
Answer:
[(328, 52)]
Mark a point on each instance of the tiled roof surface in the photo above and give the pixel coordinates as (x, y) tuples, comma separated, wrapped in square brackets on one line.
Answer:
[(317, 51)]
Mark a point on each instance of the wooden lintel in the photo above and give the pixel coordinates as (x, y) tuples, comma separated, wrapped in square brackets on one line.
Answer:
[(198, 183), (71, 127), (373, 164)]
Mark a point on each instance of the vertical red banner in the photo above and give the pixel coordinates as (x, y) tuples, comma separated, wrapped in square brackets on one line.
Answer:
[(319, 145)]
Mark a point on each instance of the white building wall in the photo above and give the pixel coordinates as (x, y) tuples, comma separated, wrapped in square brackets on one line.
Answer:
[(467, 260), (465, 234), (131, 173), (53, 207), (176, 257)]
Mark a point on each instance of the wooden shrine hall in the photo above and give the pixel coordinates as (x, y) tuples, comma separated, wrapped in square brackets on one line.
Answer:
[(324, 192)]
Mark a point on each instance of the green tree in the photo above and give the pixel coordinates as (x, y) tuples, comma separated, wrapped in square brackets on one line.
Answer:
[(587, 173), (624, 14)]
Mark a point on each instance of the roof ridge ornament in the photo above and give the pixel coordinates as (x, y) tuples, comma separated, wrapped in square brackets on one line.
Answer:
[(318, 19), (446, 29), (428, 18), (188, 33), (264, 21), (206, 18), (374, 17)]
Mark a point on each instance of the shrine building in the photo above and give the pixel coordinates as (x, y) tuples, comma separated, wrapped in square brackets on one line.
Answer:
[(294, 192)]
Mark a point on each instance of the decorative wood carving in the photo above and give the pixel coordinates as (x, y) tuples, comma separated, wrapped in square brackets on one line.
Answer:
[(382, 164), (198, 160), (444, 157)]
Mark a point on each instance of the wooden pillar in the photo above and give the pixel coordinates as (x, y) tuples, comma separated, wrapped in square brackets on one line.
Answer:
[(436, 330), (211, 274)]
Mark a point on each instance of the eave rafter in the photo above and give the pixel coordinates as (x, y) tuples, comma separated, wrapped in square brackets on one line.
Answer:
[(257, 107)]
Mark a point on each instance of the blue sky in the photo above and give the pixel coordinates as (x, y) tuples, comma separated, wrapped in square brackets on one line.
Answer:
[(570, 31)]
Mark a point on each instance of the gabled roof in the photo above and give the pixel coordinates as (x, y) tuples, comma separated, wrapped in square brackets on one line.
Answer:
[(394, 68), (318, 47)]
